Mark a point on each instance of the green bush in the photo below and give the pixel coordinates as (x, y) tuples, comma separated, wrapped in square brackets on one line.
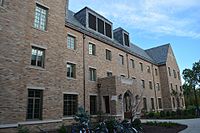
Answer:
[(110, 124), (137, 124), (161, 124), (22, 129), (151, 115), (162, 114), (62, 129)]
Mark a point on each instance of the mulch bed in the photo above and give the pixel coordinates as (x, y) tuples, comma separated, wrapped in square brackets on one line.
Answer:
[(159, 129)]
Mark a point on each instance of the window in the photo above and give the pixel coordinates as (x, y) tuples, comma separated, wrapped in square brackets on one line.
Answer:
[(34, 109), (40, 21), (178, 75), (145, 104), (132, 63), (92, 21), (148, 69), (174, 73), (169, 71), (37, 57), (109, 74), (121, 59), (92, 74), (71, 42), (152, 103), (181, 88), (108, 30), (108, 55), (93, 105), (156, 72), (150, 85), (159, 103), (123, 76), (71, 70), (1, 2), (173, 101), (107, 104), (176, 88), (141, 66), (92, 49), (143, 83), (126, 40), (183, 104), (70, 104), (100, 26), (158, 86), (171, 86)]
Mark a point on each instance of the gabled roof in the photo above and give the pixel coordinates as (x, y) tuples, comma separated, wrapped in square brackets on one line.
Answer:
[(155, 55), (159, 54)]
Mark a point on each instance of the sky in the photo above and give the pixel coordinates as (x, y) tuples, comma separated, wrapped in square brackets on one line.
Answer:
[(152, 23)]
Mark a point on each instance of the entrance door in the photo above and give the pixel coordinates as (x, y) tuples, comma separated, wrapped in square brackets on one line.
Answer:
[(127, 104)]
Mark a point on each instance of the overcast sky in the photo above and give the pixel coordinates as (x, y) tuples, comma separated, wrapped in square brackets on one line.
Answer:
[(154, 22)]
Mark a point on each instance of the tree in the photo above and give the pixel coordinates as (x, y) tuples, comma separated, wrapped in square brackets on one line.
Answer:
[(192, 78)]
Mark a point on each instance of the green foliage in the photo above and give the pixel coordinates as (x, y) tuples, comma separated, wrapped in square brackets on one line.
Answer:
[(22, 129), (137, 124), (110, 123), (161, 124), (162, 114), (62, 129)]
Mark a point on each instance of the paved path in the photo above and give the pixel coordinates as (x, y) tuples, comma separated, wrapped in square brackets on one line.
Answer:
[(193, 124)]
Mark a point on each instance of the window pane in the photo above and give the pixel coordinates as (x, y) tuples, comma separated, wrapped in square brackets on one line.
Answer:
[(126, 39), (100, 26), (71, 70), (40, 17), (70, 42), (92, 21), (70, 104), (37, 57), (108, 30)]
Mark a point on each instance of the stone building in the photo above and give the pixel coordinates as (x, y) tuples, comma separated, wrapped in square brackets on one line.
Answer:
[(53, 60)]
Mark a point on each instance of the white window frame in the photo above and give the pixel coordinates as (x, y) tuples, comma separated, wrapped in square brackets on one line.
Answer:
[(91, 48), (71, 70)]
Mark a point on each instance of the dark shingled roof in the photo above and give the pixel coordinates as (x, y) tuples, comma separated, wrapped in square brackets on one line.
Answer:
[(155, 55), (159, 54)]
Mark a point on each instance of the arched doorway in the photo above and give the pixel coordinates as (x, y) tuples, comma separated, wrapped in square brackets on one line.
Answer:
[(127, 104)]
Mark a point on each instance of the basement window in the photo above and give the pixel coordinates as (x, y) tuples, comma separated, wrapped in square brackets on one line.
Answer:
[(92, 21)]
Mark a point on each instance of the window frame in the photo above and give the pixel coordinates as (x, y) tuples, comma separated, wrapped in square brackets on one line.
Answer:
[(36, 50), (108, 55), (38, 25), (109, 74), (73, 107), (143, 83), (69, 42), (160, 106), (34, 98), (126, 39), (144, 99), (91, 49), (89, 24), (92, 74), (148, 69), (121, 59), (132, 63), (141, 66), (152, 104), (150, 85), (93, 110), (72, 67), (156, 71)]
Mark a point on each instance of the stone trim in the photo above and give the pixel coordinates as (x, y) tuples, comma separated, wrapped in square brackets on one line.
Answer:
[(35, 88), (73, 93), (38, 46), (37, 2), (93, 94)]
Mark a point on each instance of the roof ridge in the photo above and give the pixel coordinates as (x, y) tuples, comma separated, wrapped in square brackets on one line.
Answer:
[(168, 44)]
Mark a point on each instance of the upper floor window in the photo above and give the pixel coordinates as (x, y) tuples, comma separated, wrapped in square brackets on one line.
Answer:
[(71, 70), (150, 85), (148, 69), (126, 39), (108, 29), (178, 75), (40, 21), (141, 66), (92, 74), (159, 103), (132, 63), (158, 86), (1, 2), (123, 76), (156, 72), (145, 104), (37, 57), (143, 83), (100, 26), (169, 71), (108, 55), (34, 108), (174, 73), (152, 103), (171, 86), (121, 59), (92, 49), (71, 42), (70, 104), (92, 21), (109, 74)]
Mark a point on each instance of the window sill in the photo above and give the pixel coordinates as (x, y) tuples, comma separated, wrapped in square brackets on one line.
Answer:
[(74, 50), (92, 81), (37, 68), (40, 29), (68, 118), (71, 78), (92, 116)]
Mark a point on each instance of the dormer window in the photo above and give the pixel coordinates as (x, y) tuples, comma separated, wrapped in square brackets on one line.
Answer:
[(108, 30), (92, 21), (126, 39), (100, 26)]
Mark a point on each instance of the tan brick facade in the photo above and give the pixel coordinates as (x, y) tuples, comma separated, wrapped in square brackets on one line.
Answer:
[(18, 35)]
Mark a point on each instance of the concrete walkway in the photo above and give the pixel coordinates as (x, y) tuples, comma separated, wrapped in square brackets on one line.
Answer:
[(193, 124)]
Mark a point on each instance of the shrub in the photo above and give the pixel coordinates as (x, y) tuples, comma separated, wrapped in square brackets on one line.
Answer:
[(137, 123), (62, 129), (110, 124), (22, 129), (162, 114), (151, 115)]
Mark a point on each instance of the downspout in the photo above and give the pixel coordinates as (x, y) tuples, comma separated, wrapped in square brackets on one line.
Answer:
[(127, 65), (154, 86), (84, 82)]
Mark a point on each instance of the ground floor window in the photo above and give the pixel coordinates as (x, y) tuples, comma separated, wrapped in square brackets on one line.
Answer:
[(70, 104), (145, 104), (152, 104), (93, 105), (159, 103), (34, 109), (107, 104)]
